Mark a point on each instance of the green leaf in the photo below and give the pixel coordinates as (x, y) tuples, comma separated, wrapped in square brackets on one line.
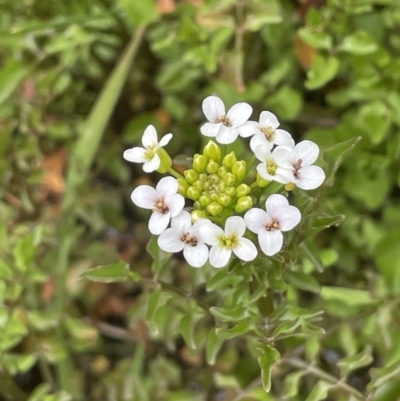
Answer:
[(315, 38), (266, 361), (375, 119), (5, 271), (353, 362), (320, 391), (223, 280), (230, 314), (360, 43), (139, 12), (241, 328), (16, 363), (214, 343), (335, 155), (291, 383), (11, 75), (187, 325), (380, 376), (159, 257), (112, 273), (287, 101), (24, 251), (302, 281), (322, 71)]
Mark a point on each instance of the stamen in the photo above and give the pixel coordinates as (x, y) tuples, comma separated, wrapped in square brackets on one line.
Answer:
[(189, 240), (268, 132), (271, 167), (272, 226), (161, 207), (225, 120), (297, 167)]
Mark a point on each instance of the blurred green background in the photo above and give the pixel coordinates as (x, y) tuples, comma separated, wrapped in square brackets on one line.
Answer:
[(79, 82)]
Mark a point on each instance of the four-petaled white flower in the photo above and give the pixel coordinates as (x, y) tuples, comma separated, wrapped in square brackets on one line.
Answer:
[(275, 165), (306, 176), (265, 132), (163, 200), (279, 216), (223, 243), (224, 127), (148, 154), (184, 236)]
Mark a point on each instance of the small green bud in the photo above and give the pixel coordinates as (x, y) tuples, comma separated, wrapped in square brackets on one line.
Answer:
[(199, 163), (229, 160), (190, 175), (214, 209), (224, 200), (205, 200), (212, 151), (197, 214), (221, 186), (229, 179), (214, 196), (242, 190), (182, 186), (212, 167), (290, 187), (200, 185), (222, 171), (214, 179), (239, 169), (165, 161), (203, 177), (261, 182), (197, 205), (231, 191), (244, 204), (193, 193)]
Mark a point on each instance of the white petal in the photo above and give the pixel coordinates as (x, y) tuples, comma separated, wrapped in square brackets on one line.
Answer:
[(197, 255), (239, 113), (284, 176), (210, 233), (275, 203), (256, 219), (249, 128), (284, 139), (245, 250), (182, 222), (263, 152), (288, 218), (175, 204), (235, 225), (310, 177), (213, 108), (307, 151), (135, 155), (283, 157), (167, 186), (262, 170), (145, 196), (270, 241), (259, 139), (170, 240), (158, 222), (165, 140), (195, 231), (149, 137), (268, 119), (227, 134), (152, 165), (219, 257), (210, 129)]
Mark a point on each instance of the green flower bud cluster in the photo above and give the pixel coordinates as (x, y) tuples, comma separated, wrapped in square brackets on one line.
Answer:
[(215, 184)]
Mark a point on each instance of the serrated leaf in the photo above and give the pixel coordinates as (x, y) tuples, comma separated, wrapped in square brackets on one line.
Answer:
[(266, 361), (353, 362), (302, 281), (112, 273)]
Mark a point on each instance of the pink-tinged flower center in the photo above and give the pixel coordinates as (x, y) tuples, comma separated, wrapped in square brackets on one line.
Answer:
[(274, 225), (297, 167), (268, 132), (224, 120), (189, 240), (161, 207)]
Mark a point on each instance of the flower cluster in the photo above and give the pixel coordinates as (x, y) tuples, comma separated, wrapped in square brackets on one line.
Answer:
[(224, 190)]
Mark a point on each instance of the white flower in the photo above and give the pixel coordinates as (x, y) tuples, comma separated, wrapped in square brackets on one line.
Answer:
[(280, 216), (265, 132), (306, 176), (224, 242), (276, 165), (163, 200), (183, 236), (224, 126), (148, 154)]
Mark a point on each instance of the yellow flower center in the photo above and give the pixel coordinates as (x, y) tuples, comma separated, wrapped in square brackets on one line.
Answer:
[(229, 242), (268, 132), (272, 226), (271, 167), (150, 153), (161, 207)]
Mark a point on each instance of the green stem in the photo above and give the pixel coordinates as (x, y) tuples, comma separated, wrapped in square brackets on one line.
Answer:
[(175, 173)]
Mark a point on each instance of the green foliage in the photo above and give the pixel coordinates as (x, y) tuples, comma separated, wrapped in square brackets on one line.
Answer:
[(79, 83)]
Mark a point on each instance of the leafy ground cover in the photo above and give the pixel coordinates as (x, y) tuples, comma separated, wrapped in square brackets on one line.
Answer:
[(79, 83)]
